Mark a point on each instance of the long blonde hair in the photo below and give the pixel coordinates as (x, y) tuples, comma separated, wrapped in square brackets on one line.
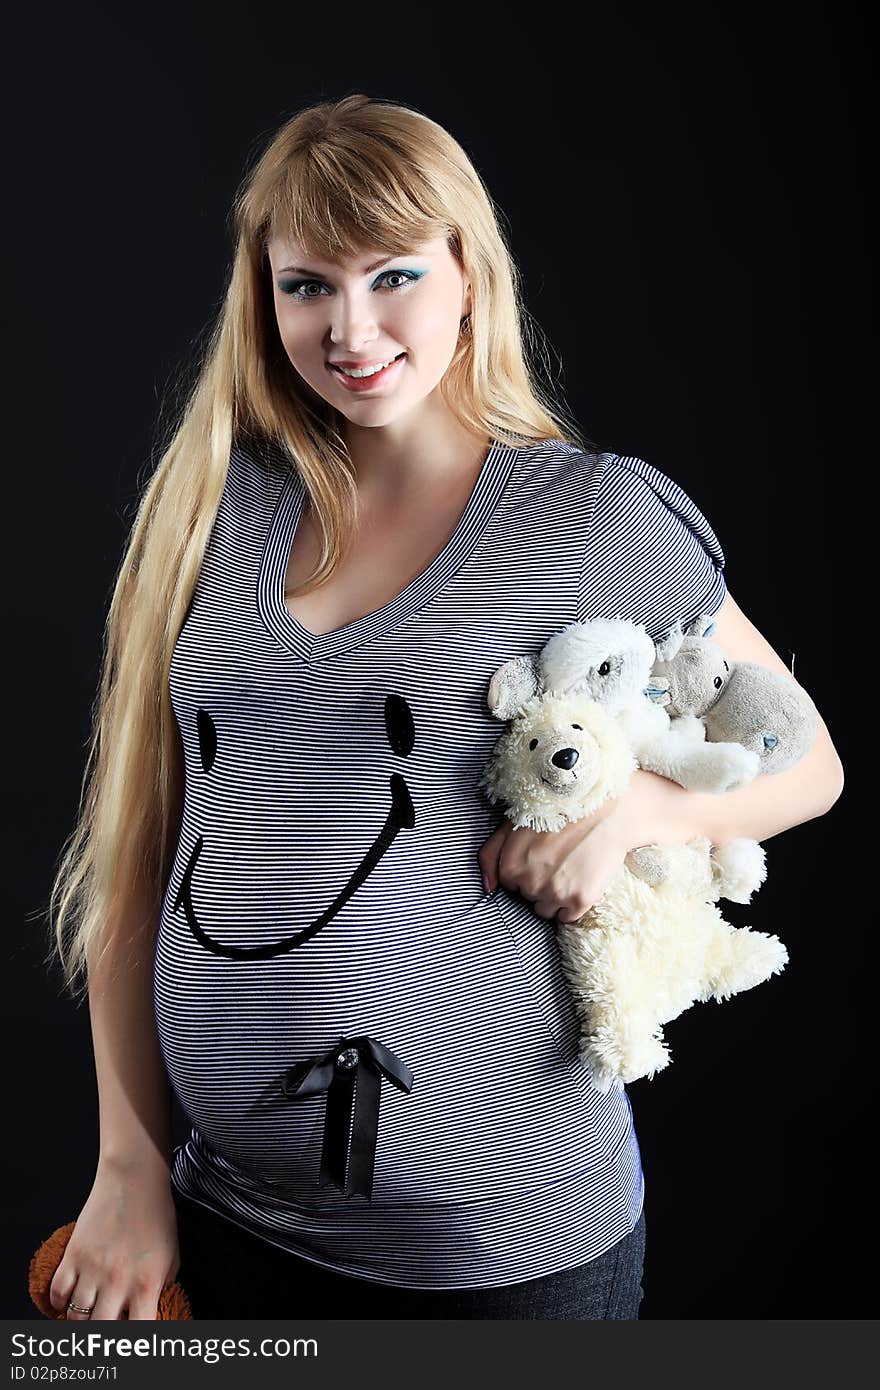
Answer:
[(336, 177)]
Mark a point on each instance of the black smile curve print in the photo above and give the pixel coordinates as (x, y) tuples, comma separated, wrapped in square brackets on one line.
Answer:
[(401, 816)]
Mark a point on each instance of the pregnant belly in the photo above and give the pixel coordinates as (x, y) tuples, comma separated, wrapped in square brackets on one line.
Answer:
[(473, 1004)]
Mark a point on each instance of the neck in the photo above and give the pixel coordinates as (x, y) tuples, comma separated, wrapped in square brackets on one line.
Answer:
[(414, 455)]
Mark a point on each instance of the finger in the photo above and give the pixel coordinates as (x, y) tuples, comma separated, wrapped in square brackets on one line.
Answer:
[(144, 1303), (62, 1284), (490, 854), (589, 894), (84, 1295), (545, 908), (111, 1302), (567, 916)]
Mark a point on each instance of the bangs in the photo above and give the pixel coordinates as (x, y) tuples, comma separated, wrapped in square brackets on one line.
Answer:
[(333, 203)]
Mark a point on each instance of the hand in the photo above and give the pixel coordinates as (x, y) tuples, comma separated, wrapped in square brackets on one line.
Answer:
[(562, 872), (124, 1248), (566, 871)]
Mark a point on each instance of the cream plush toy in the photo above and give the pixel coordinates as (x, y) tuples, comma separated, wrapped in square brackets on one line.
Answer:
[(655, 943), (688, 713)]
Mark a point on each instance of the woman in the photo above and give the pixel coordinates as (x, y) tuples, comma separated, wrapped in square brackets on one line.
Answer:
[(377, 1051)]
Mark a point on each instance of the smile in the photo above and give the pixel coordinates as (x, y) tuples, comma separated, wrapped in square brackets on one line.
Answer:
[(367, 383), (401, 816)]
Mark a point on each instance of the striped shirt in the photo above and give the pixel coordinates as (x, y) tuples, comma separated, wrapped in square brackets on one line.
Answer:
[(326, 881)]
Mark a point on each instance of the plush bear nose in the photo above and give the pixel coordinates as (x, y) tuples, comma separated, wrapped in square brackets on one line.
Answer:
[(565, 758)]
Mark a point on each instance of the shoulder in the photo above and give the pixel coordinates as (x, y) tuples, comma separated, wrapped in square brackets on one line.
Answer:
[(553, 472), (604, 485), (258, 469), (630, 479), (553, 463), (652, 556), (637, 504)]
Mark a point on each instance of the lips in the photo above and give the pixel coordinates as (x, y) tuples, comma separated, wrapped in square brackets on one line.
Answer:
[(359, 363), (366, 383)]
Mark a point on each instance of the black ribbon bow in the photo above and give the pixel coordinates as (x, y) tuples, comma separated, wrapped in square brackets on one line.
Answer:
[(351, 1074)]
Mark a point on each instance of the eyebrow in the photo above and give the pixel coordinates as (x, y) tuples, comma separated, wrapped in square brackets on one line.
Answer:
[(301, 270)]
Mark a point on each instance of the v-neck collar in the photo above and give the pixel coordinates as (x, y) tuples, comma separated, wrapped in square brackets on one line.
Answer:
[(481, 506)]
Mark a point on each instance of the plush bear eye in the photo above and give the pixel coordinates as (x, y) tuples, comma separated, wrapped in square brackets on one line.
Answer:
[(726, 667), (604, 668), (719, 681), (533, 744), (578, 726)]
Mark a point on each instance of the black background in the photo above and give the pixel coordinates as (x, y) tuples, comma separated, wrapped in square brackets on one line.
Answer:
[(684, 191)]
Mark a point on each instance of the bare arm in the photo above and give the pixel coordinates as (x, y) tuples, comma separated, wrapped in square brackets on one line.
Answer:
[(134, 1097), (124, 1246)]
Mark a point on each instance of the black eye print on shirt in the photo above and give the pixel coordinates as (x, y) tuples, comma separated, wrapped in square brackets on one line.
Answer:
[(400, 729), (399, 724), (207, 731)]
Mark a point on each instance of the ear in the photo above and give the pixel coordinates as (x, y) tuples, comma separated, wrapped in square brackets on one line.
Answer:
[(701, 626), (667, 648), (511, 686)]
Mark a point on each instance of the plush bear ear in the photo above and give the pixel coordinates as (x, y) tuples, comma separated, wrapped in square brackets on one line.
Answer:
[(667, 648), (701, 626), (511, 686)]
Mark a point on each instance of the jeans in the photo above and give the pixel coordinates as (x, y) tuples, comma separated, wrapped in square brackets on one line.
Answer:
[(228, 1273)]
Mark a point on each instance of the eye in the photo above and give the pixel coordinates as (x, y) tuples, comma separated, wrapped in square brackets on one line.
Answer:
[(770, 740), (405, 277), (726, 667), (578, 726), (295, 289), (718, 682), (533, 744), (604, 668)]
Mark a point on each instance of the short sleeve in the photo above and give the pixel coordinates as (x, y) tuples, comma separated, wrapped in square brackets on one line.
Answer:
[(651, 556)]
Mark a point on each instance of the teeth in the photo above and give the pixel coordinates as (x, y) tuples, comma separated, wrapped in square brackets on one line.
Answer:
[(366, 371)]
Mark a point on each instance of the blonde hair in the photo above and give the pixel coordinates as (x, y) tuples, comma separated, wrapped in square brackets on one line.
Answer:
[(336, 177)]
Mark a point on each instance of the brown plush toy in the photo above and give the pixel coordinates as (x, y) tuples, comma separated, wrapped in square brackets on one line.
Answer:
[(173, 1302)]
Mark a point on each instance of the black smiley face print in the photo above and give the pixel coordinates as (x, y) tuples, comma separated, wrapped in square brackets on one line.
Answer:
[(401, 816)]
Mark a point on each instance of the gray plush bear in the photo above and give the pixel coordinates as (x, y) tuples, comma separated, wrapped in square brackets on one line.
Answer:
[(763, 710)]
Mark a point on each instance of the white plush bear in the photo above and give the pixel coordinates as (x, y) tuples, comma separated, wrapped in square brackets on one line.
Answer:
[(647, 950), (611, 660), (615, 662)]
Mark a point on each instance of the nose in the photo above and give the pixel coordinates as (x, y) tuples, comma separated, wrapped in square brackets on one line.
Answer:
[(565, 758), (353, 323)]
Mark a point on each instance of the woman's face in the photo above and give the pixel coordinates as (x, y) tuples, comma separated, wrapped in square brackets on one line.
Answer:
[(367, 310)]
